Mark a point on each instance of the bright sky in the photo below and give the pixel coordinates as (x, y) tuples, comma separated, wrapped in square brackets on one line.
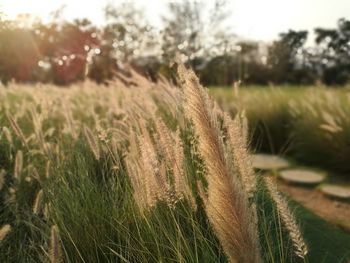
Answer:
[(253, 19)]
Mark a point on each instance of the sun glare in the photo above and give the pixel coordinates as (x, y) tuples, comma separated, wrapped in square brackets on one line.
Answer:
[(41, 9)]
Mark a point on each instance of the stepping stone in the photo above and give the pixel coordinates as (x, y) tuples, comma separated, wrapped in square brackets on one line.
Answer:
[(336, 191), (302, 176), (269, 162)]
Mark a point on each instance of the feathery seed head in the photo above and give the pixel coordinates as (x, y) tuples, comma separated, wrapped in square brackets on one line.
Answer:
[(4, 231), (301, 248), (226, 206), (18, 165), (38, 202), (55, 249), (93, 144)]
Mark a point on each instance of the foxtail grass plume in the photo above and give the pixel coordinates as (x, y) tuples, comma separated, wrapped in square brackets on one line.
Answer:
[(140, 188), (11, 198), (178, 166), (155, 177), (47, 169), (165, 141), (55, 249), (226, 206), (133, 164), (17, 129), (182, 188), (70, 121), (93, 144), (300, 247), (2, 178), (150, 167), (4, 231), (38, 202), (238, 140), (171, 146), (47, 211), (7, 135), (36, 175), (237, 135), (18, 165)]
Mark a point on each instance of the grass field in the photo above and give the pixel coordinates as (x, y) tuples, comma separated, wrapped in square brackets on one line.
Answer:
[(307, 123), (148, 173)]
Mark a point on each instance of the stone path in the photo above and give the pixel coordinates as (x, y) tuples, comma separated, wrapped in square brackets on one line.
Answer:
[(334, 211)]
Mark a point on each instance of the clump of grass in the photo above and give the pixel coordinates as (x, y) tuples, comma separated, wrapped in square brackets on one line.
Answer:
[(267, 109), (151, 173), (320, 130), (226, 204), (307, 123)]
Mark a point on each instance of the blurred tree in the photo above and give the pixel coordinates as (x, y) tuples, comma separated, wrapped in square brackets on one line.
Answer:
[(66, 51), (195, 30), (65, 47), (56, 51), (76, 40), (335, 52), (246, 62), (18, 52), (285, 56), (126, 37)]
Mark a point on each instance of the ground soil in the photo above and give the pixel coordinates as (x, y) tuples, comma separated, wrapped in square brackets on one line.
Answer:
[(334, 211)]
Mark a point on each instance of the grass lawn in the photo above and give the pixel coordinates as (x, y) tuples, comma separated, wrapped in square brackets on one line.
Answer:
[(327, 243)]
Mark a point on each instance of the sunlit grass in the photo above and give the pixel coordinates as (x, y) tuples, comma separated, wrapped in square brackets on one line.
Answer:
[(308, 123), (84, 154)]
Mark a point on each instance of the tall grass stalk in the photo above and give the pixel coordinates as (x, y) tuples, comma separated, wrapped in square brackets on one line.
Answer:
[(226, 205)]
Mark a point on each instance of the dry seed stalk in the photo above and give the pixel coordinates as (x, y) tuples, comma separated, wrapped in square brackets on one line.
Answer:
[(165, 141), (2, 178), (237, 133), (5, 229), (93, 144), (288, 219), (8, 135), (55, 250), (18, 164), (38, 202), (17, 129), (157, 186), (226, 207)]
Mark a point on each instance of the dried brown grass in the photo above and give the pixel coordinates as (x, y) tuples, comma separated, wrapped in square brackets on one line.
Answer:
[(2, 178), (17, 129), (38, 202), (4, 231), (226, 205), (18, 165), (300, 247), (55, 249), (93, 143)]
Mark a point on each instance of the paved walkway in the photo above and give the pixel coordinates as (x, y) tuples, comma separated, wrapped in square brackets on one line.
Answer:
[(336, 212)]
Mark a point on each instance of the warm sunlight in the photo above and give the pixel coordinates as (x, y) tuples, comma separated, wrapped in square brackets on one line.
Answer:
[(252, 19), (39, 9), (43, 9), (174, 131)]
